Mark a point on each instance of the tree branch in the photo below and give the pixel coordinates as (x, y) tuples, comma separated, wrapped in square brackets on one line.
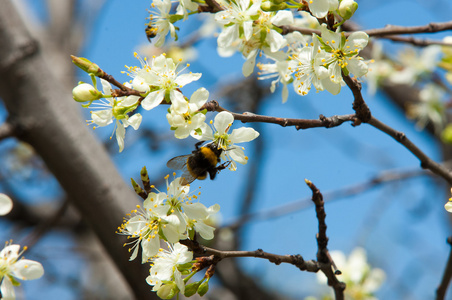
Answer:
[(426, 162), (359, 105), (415, 42), (442, 288), (388, 30), (363, 113), (248, 117), (323, 256), (393, 29), (218, 255), (50, 123)]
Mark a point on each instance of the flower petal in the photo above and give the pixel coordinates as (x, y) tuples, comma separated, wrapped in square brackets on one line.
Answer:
[(227, 36), (243, 134), (357, 40), (238, 155), (6, 204), (199, 97), (26, 269), (106, 86), (357, 66), (185, 79), (120, 134), (153, 99), (283, 17), (7, 289), (223, 121), (248, 66)]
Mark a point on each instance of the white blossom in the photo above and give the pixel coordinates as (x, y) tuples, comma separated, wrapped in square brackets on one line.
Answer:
[(184, 123), (320, 8), (341, 53), (226, 141), (430, 108), (160, 21), (159, 79), (361, 279), (310, 72), (117, 109), (237, 16), (13, 267), (167, 264), (185, 6), (412, 64), (144, 224)]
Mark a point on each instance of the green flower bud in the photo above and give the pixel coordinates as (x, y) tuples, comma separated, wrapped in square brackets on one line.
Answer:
[(446, 135), (167, 291), (347, 8), (87, 65), (85, 92), (203, 288), (270, 6), (191, 289)]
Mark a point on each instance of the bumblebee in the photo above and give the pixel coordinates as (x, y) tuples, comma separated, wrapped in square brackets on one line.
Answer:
[(151, 32), (202, 161)]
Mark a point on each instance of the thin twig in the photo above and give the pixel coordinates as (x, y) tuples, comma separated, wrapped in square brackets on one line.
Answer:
[(414, 41), (442, 288), (323, 256), (393, 29), (388, 30), (359, 105), (247, 117), (389, 33), (296, 260), (363, 113), (426, 162)]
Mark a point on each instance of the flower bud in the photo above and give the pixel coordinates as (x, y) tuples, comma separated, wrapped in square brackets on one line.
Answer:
[(167, 291), (347, 8), (191, 289), (85, 92), (203, 288), (87, 66), (270, 6), (448, 206)]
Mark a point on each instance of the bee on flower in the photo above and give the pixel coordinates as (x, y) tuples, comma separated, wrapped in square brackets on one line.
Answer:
[(220, 136)]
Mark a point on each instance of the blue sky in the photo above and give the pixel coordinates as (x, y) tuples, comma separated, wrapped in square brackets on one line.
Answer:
[(403, 226)]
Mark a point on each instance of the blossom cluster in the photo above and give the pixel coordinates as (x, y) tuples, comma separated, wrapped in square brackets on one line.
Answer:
[(255, 28), (168, 217), (159, 81), (13, 266)]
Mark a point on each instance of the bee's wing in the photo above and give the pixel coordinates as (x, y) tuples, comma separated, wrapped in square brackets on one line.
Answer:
[(178, 162), (186, 178)]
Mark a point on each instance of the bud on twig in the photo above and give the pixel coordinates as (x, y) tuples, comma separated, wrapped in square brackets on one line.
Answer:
[(85, 92), (347, 8), (87, 66)]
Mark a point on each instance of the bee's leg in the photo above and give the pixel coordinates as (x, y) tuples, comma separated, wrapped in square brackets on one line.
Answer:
[(223, 165), (198, 144)]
